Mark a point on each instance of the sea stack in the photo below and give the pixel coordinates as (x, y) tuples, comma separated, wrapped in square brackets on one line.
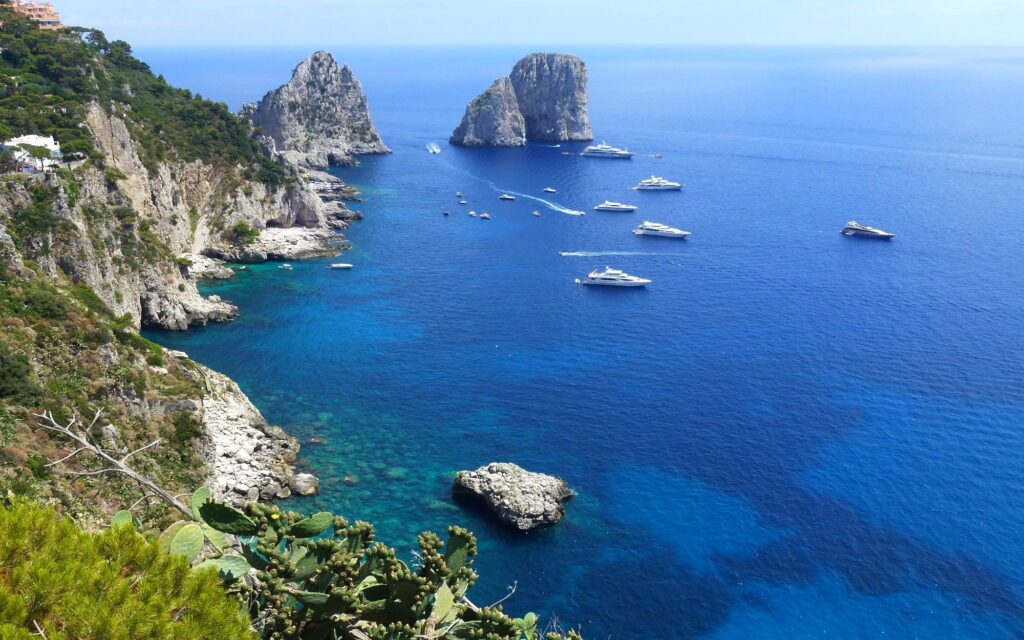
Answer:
[(548, 96), (320, 117), (519, 498)]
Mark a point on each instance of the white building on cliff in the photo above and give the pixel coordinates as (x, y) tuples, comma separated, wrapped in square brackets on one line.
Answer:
[(19, 148)]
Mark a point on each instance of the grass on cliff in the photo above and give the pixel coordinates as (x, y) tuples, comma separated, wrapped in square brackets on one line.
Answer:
[(59, 582), (48, 77)]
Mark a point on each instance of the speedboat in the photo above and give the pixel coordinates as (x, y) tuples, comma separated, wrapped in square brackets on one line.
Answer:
[(550, 190), (285, 266), (341, 265), (608, 205), (614, 278), (654, 183), (433, 148), (505, 196), (463, 202), (854, 228), (567, 153), (485, 216), (472, 214), (658, 229), (605, 150), (536, 214), (458, 194)]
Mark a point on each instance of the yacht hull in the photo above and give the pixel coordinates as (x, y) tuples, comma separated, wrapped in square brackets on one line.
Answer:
[(658, 188), (857, 233), (662, 234), (603, 283)]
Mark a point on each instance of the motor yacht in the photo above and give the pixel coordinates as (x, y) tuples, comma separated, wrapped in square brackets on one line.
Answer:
[(472, 214), (654, 183), (536, 214), (458, 194), (854, 228), (605, 150), (463, 202), (658, 229), (608, 205), (506, 196), (433, 148), (341, 265), (485, 216), (614, 278), (285, 266), (550, 190)]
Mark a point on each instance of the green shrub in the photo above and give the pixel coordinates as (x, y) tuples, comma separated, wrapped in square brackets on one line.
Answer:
[(16, 381), (109, 586), (186, 429), (242, 233), (44, 301)]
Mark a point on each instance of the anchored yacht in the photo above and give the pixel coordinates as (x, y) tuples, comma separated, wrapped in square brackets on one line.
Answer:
[(614, 278), (485, 216), (605, 150), (608, 205), (853, 228), (550, 190), (506, 196), (658, 229), (654, 183), (341, 265), (536, 214)]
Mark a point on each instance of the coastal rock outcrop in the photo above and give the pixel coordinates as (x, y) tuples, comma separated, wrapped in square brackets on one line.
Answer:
[(320, 117), (493, 118), (548, 102), (521, 499)]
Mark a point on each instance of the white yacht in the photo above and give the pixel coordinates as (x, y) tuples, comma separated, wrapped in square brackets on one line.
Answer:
[(654, 183), (853, 228), (550, 190), (463, 202), (608, 205), (485, 216), (433, 148), (472, 214), (536, 214), (614, 278), (285, 266), (658, 229), (506, 196), (341, 265), (605, 150), (458, 194)]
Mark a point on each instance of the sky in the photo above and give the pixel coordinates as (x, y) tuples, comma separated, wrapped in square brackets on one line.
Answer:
[(238, 23)]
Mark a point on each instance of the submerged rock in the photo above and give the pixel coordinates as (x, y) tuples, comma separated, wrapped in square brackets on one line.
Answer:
[(492, 119), (320, 117), (544, 99), (304, 484), (520, 498)]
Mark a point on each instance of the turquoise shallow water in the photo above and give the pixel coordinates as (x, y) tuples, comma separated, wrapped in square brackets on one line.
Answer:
[(790, 434)]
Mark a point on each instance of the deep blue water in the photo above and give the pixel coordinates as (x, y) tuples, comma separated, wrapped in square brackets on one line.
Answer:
[(789, 434)]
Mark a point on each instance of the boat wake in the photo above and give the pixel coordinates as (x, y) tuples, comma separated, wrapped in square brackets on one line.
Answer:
[(597, 254), (554, 206)]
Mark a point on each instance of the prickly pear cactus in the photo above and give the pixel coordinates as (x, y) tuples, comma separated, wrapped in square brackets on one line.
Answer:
[(321, 577)]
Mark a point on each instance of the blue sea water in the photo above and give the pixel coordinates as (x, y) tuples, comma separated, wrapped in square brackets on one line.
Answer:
[(789, 434)]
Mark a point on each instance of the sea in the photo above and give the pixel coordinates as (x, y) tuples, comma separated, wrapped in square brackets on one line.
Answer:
[(788, 434)]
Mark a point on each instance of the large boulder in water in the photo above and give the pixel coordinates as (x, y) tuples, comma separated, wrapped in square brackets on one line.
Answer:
[(520, 498), (544, 99), (320, 117)]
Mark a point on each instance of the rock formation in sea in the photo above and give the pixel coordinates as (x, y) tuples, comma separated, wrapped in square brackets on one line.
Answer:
[(493, 118), (521, 499), (548, 101), (320, 117)]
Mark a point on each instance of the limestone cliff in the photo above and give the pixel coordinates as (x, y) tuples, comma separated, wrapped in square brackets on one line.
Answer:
[(320, 117), (544, 99), (492, 119)]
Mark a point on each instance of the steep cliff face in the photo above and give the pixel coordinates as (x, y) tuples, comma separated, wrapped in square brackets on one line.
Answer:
[(320, 117), (492, 119), (552, 93), (545, 99), (120, 230)]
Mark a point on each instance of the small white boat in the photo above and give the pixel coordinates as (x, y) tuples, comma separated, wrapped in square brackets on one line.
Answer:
[(341, 265), (472, 214), (854, 228), (485, 216), (567, 153), (242, 268), (463, 202), (536, 214), (506, 196), (285, 266), (573, 212), (654, 183), (613, 278), (609, 205), (458, 194), (433, 148), (658, 229), (550, 190)]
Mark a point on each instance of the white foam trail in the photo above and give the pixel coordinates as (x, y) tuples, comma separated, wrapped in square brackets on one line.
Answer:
[(554, 206), (597, 254)]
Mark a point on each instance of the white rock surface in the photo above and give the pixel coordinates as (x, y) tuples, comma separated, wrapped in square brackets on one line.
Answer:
[(492, 119), (520, 498), (320, 117)]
